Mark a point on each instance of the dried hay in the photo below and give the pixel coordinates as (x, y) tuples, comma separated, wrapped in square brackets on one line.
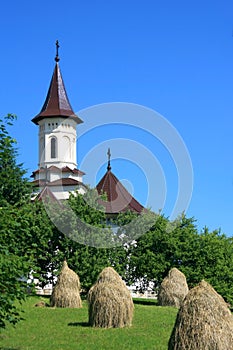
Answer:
[(173, 289), (66, 292), (41, 304), (110, 302), (204, 322), (109, 275)]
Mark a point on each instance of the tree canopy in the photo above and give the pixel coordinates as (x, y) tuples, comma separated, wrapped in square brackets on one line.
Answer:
[(13, 185), (14, 189), (150, 245), (205, 255)]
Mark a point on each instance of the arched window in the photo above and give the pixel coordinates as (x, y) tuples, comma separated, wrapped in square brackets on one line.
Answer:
[(53, 147)]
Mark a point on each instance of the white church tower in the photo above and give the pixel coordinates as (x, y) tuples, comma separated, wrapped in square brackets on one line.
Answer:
[(57, 173)]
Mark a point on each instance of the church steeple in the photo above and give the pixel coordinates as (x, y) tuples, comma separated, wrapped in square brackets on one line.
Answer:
[(56, 103), (57, 140)]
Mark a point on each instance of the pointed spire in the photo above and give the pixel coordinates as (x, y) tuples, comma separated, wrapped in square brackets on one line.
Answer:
[(56, 103), (109, 159)]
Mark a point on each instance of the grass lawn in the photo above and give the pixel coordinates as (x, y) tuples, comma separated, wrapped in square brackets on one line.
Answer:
[(67, 329)]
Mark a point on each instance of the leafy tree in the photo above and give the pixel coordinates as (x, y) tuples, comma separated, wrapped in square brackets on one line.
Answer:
[(206, 255), (84, 222), (12, 287), (13, 189), (212, 257), (13, 186), (28, 231), (44, 235), (14, 268), (147, 256)]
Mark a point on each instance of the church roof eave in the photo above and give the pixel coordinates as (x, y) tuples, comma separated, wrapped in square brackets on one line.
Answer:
[(55, 169), (59, 182)]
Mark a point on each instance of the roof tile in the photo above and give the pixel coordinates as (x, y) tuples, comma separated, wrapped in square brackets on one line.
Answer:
[(118, 198), (56, 103)]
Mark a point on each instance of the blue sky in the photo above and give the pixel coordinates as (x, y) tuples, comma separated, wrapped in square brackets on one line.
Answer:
[(175, 58)]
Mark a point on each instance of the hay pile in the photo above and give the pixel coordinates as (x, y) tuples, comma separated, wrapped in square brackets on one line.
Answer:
[(41, 304), (173, 289), (66, 292), (204, 322), (110, 302)]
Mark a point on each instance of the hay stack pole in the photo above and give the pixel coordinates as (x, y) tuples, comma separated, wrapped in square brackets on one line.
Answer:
[(204, 322), (110, 302), (173, 289), (66, 292)]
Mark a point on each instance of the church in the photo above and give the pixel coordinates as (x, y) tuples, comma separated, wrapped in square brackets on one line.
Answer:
[(58, 175)]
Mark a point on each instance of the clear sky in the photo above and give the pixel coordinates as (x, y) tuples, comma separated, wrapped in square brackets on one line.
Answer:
[(173, 57)]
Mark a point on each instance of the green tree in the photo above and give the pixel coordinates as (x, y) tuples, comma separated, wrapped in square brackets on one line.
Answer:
[(13, 186), (211, 258), (29, 231), (84, 222), (148, 261), (12, 287), (206, 255)]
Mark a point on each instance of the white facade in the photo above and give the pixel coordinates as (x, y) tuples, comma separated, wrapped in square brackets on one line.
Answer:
[(57, 157), (57, 142), (63, 192)]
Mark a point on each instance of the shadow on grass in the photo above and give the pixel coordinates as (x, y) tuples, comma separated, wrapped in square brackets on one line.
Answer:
[(2, 348), (76, 324), (145, 301)]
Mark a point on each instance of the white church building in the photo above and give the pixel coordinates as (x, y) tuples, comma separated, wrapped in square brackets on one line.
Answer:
[(57, 175)]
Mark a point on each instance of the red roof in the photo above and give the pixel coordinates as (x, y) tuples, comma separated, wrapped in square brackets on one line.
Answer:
[(61, 182), (66, 169), (118, 198), (45, 193), (57, 103), (53, 168)]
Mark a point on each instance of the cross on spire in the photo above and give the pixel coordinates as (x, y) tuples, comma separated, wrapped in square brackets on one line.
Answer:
[(57, 59), (109, 158)]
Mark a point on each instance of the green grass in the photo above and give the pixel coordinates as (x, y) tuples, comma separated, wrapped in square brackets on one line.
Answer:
[(67, 329)]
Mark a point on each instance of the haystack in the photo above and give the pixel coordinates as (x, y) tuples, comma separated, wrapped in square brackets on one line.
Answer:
[(173, 289), (66, 292), (204, 322), (110, 302)]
